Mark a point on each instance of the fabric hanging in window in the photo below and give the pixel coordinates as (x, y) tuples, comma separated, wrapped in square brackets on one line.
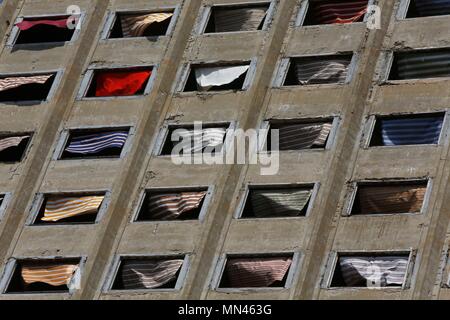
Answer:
[(170, 206), (240, 19), (58, 208), (135, 25), (197, 141), (256, 272), (145, 274), (303, 136), (397, 132), (93, 143), (321, 70), (54, 275), (27, 24), (327, 12), (374, 271), (120, 83), (10, 142), (218, 76), (15, 82), (283, 203), (391, 199), (417, 65), (432, 7)]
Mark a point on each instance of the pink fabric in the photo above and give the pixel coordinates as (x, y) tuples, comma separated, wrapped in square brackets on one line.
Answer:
[(27, 24)]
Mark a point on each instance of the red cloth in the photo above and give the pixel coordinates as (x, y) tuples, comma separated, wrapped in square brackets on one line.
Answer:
[(120, 83), (25, 25)]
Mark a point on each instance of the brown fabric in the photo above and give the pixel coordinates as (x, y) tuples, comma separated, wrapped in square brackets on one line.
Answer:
[(391, 199)]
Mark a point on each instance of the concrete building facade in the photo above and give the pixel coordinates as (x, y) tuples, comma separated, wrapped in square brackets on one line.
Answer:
[(313, 240)]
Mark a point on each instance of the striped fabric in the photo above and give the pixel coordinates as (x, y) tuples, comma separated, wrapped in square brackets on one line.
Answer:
[(425, 64), (303, 136), (197, 141), (15, 82), (398, 132), (10, 142), (322, 70), (149, 274), (58, 208), (432, 7), (218, 76), (170, 206), (256, 272), (373, 271), (135, 25), (240, 19), (54, 275), (28, 24), (97, 142), (279, 203), (327, 12), (391, 199)]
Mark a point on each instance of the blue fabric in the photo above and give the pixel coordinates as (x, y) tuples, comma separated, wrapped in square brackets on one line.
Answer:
[(411, 131), (432, 7), (94, 143)]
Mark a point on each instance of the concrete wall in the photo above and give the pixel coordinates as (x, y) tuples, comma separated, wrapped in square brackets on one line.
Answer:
[(314, 237)]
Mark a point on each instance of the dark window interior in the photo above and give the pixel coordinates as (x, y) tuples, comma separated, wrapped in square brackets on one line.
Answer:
[(211, 26), (154, 30), (82, 219), (14, 154), (436, 9), (145, 214), (225, 282), (2, 197), (377, 139), (356, 210), (248, 212), (93, 85), (191, 83), (169, 144), (338, 280), (118, 284), (291, 76), (310, 19), (45, 33), (107, 153), (393, 74), (278, 126), (17, 285), (412, 11), (28, 92)]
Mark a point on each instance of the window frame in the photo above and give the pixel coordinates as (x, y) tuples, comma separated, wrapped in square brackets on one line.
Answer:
[(7, 197), (371, 121), (26, 150), (221, 261), (14, 35), (66, 133), (352, 191), (112, 16), (164, 131), (284, 64), (332, 137), (203, 211), (206, 11), (40, 197), (186, 68), (243, 195), (304, 10), (333, 257), (12, 263), (113, 272), (57, 73), (387, 62), (88, 77)]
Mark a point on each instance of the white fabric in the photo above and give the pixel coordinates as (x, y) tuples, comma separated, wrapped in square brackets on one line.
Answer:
[(218, 76)]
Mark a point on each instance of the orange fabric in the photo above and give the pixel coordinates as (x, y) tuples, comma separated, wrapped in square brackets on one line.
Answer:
[(120, 83)]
